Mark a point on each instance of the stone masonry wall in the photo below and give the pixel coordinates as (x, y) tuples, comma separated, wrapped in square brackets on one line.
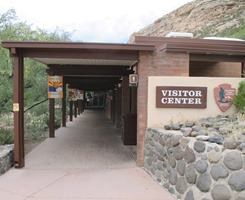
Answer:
[(6, 158), (194, 169)]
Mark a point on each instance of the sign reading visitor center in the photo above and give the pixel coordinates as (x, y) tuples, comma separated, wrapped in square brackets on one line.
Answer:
[(181, 97)]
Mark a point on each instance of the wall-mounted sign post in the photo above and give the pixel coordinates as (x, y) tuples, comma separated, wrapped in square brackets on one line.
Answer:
[(181, 97), (55, 87), (133, 80)]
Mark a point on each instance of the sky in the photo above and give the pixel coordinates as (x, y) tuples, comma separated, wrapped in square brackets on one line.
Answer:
[(92, 20)]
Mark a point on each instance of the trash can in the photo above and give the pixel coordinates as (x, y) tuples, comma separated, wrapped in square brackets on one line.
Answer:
[(129, 129)]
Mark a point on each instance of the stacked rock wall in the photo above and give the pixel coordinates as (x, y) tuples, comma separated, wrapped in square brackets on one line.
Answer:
[(192, 169), (6, 158)]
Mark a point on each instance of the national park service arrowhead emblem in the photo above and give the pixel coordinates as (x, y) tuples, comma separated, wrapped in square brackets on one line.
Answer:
[(223, 95)]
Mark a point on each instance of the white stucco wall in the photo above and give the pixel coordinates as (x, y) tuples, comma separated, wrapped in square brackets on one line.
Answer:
[(157, 117)]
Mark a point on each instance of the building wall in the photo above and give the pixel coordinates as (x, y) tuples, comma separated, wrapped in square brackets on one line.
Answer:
[(215, 69), (157, 63), (158, 117)]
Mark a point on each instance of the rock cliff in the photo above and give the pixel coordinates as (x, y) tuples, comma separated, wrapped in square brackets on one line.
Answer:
[(202, 18)]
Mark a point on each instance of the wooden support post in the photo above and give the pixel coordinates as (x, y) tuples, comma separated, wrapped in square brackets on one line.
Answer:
[(18, 108), (71, 111), (125, 104), (243, 69), (125, 96), (75, 109), (64, 106), (114, 106), (83, 105), (133, 102), (51, 118), (118, 106), (79, 102)]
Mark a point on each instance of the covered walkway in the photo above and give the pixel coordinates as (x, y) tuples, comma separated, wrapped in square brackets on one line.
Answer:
[(86, 161)]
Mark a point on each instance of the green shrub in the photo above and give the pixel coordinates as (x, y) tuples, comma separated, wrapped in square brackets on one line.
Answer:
[(6, 136), (239, 99)]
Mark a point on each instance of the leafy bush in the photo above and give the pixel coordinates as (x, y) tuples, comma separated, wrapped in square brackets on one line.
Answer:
[(6, 136), (239, 99)]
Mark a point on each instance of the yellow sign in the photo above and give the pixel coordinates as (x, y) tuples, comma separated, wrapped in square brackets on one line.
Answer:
[(55, 87), (72, 94), (16, 107)]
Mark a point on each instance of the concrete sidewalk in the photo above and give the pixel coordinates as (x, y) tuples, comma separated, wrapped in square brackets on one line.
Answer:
[(86, 161)]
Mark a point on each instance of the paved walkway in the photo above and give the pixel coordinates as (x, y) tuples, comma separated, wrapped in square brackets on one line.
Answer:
[(86, 161)]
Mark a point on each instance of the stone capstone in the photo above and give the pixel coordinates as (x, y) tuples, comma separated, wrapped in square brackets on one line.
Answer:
[(181, 167), (218, 171), (181, 185), (202, 137), (196, 128), (176, 126), (199, 146), (204, 182), (189, 155), (221, 192), (190, 174), (201, 166), (189, 195), (167, 127), (189, 123), (237, 181), (233, 160), (218, 139)]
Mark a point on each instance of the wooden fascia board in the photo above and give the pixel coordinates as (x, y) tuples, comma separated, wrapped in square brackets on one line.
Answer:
[(74, 45)]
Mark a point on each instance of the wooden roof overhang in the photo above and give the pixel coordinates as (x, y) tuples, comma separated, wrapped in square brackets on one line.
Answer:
[(84, 65), (199, 49)]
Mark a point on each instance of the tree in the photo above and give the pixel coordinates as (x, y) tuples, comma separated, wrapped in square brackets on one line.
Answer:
[(11, 28)]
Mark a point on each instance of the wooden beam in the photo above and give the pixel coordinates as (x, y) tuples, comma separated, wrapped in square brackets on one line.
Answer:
[(89, 70), (76, 45), (18, 108), (51, 118), (80, 54), (92, 87)]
